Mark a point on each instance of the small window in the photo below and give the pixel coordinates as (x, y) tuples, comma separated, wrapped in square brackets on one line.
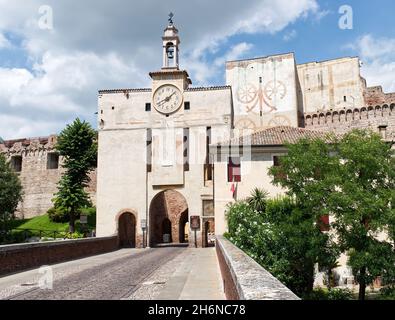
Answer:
[(260, 79), (16, 163), (149, 150), (234, 170), (383, 131), (277, 163), (323, 223), (186, 149), (345, 98), (187, 105), (52, 161), (148, 107)]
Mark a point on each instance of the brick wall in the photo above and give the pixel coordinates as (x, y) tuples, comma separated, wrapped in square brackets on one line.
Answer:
[(20, 257), (39, 183), (375, 96), (171, 205), (376, 118)]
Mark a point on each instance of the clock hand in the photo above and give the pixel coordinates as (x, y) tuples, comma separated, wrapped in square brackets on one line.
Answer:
[(165, 100)]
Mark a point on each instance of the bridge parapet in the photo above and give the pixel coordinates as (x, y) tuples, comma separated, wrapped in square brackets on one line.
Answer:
[(245, 279)]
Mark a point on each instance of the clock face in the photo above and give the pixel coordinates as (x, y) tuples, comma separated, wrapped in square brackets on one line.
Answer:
[(167, 98)]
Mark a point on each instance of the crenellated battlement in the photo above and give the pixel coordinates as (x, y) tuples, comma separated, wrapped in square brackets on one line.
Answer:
[(28, 145), (379, 118)]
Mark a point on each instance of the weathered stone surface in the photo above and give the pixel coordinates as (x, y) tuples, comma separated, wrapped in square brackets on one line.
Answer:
[(38, 181), (380, 119), (251, 281)]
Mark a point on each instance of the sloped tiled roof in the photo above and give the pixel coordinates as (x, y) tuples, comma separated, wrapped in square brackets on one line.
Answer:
[(276, 136)]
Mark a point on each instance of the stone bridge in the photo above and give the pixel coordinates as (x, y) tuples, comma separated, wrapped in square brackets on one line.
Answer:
[(97, 269)]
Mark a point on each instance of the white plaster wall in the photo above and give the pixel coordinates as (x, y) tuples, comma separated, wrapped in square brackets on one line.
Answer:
[(122, 151), (254, 173), (121, 178), (324, 84), (258, 77)]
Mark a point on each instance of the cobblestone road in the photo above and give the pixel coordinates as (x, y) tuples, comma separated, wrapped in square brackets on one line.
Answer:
[(117, 277)]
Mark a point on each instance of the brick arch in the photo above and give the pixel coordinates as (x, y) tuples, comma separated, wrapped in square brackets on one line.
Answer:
[(321, 119), (309, 120), (342, 116), (349, 115), (328, 117), (315, 119), (335, 117), (168, 204), (385, 110), (364, 113), (378, 111), (370, 112), (356, 114)]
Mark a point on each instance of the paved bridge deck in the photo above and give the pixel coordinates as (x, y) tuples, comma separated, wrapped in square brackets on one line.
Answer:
[(157, 273)]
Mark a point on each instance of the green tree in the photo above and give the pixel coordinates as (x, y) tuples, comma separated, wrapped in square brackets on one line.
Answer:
[(77, 143), (351, 178), (10, 193), (258, 199), (284, 239), (362, 204)]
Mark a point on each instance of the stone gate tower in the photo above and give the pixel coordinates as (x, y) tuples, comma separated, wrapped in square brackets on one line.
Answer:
[(154, 168)]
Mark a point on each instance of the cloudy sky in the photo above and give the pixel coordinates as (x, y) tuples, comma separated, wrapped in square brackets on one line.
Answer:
[(50, 73)]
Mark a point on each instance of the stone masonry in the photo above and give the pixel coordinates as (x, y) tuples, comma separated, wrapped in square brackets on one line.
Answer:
[(38, 180)]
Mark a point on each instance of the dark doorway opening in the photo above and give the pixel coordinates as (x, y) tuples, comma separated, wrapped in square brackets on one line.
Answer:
[(166, 231), (184, 227), (127, 230)]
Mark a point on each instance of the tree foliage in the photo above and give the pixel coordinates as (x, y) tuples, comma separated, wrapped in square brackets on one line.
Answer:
[(10, 193), (283, 238), (77, 144), (353, 179)]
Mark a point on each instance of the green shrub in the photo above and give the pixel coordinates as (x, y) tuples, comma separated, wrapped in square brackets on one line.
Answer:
[(57, 215), (340, 294), (331, 294), (74, 235), (284, 240), (387, 293)]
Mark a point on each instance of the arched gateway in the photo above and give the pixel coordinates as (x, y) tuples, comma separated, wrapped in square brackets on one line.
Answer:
[(127, 230), (168, 218)]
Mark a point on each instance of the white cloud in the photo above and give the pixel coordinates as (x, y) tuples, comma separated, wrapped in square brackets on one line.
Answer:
[(321, 14), (4, 42), (288, 36), (99, 44), (378, 56)]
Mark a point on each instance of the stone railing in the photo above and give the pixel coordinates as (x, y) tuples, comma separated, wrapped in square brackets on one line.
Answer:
[(18, 257), (245, 279)]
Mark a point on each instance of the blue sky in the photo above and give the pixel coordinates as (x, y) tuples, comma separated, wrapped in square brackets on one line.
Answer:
[(49, 76)]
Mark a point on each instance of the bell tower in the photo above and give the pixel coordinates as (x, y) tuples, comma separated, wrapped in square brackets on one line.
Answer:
[(170, 72), (171, 42)]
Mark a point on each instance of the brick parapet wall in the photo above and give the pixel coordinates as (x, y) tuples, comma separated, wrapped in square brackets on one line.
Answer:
[(344, 120), (18, 257), (376, 96)]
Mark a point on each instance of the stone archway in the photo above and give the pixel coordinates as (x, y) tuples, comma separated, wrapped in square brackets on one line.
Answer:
[(168, 209), (127, 230)]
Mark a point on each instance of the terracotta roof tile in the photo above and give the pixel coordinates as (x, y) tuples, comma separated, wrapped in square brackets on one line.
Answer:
[(276, 136)]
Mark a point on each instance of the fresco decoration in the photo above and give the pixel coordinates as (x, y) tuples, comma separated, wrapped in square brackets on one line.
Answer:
[(261, 100), (279, 121), (246, 124)]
